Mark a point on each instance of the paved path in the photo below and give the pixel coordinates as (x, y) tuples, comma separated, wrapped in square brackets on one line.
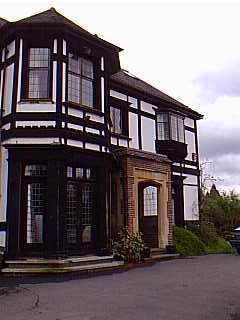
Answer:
[(206, 288)]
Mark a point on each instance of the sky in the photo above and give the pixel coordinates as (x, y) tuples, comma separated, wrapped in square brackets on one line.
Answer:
[(188, 49)]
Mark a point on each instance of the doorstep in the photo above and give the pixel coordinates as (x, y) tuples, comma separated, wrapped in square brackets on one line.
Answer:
[(84, 265)]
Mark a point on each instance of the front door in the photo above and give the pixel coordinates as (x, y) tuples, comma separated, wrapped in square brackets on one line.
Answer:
[(148, 214), (80, 208)]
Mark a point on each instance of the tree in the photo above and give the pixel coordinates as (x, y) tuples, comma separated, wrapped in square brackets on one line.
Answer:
[(223, 210)]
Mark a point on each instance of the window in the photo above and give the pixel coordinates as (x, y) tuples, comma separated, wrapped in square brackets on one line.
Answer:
[(79, 205), (38, 73), (79, 173), (170, 127), (177, 128), (150, 201), (35, 170), (35, 175), (80, 80), (163, 126), (116, 119)]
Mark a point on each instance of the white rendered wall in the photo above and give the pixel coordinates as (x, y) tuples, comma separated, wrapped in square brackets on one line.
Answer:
[(148, 134), (189, 122), (54, 82), (190, 141), (4, 178), (36, 107), (191, 207), (8, 90), (118, 95), (147, 107), (133, 130), (191, 179), (20, 70)]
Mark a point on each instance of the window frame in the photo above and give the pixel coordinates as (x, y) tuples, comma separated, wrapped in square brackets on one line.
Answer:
[(123, 107), (95, 82), (28, 44)]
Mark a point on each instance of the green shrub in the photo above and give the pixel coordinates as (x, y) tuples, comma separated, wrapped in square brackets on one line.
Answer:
[(128, 246), (205, 232), (220, 246), (187, 243)]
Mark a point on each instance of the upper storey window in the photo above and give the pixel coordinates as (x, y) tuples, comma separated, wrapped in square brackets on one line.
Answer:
[(170, 127), (80, 80), (38, 73)]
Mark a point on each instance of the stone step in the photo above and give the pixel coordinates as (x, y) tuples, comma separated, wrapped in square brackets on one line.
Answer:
[(157, 251), (64, 269), (161, 257), (56, 263)]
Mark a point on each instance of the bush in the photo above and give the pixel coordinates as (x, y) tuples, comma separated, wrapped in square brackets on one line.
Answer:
[(205, 232), (220, 246), (187, 243), (128, 246)]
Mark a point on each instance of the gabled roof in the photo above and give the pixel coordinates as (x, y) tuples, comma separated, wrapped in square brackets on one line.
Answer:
[(51, 16), (125, 78)]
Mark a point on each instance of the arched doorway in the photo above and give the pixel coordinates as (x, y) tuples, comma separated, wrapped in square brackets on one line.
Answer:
[(148, 197)]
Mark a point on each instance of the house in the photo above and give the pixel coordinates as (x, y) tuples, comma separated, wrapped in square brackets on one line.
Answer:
[(86, 147)]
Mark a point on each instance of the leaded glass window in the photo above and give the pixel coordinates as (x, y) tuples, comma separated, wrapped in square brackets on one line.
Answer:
[(38, 73), (170, 127), (71, 216), (150, 200), (35, 170), (162, 126), (80, 80), (35, 212)]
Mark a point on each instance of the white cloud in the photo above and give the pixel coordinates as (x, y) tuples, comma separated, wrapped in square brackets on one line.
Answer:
[(185, 48)]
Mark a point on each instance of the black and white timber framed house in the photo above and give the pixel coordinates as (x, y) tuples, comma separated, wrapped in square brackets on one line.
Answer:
[(86, 147)]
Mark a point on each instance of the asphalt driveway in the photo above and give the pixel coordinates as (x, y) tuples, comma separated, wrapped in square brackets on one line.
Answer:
[(206, 288)]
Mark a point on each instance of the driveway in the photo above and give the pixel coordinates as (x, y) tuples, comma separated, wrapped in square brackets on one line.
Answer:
[(206, 288)]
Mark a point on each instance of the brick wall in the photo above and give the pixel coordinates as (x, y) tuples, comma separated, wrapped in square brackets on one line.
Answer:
[(131, 159)]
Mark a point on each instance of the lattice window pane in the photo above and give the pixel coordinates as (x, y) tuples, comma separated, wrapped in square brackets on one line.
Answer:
[(87, 68), (87, 204), (180, 130), (80, 80), (150, 201), (74, 92), (174, 132), (71, 214), (35, 212), (74, 64), (79, 173), (35, 170), (87, 92), (38, 73), (69, 172), (88, 174)]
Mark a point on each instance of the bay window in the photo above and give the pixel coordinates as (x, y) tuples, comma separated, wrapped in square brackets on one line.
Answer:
[(170, 127), (80, 80)]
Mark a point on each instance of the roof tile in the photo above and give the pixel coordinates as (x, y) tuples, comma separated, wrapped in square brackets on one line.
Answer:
[(125, 78)]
